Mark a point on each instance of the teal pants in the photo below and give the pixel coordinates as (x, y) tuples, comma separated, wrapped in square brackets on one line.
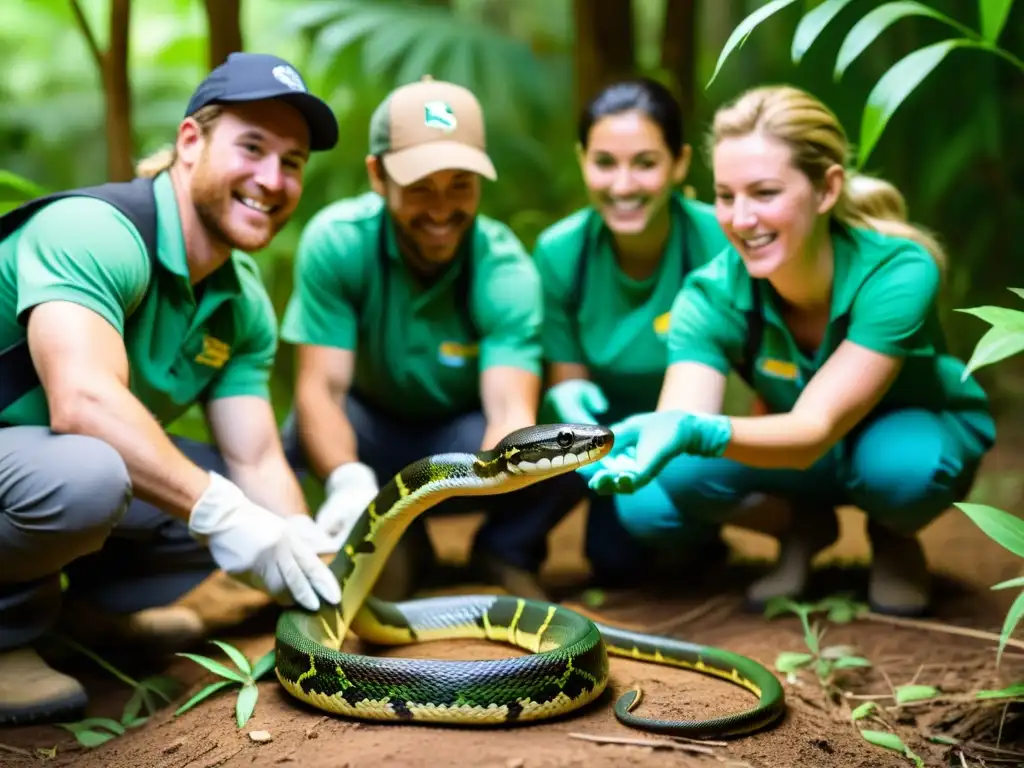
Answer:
[(903, 469)]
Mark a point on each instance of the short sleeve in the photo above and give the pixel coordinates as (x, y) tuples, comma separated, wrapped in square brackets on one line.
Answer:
[(558, 339), (705, 326), (508, 306), (328, 273), (84, 251), (249, 370), (892, 306)]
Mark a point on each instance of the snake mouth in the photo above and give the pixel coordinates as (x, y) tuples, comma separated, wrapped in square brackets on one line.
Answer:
[(562, 461)]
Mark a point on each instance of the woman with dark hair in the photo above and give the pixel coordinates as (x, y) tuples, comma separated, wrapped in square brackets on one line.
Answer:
[(610, 273)]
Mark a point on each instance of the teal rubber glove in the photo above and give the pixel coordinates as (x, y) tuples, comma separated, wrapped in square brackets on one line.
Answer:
[(645, 443), (576, 401)]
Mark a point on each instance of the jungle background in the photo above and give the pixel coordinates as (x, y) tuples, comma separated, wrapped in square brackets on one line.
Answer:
[(90, 86)]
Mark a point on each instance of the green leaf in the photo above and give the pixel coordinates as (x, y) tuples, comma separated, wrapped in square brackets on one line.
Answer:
[(1018, 291), (94, 722), (894, 86), (1013, 617), (163, 686), (215, 666), (841, 610), (993, 17), (91, 739), (132, 706), (906, 694), (779, 605), (997, 344), (1014, 691), (209, 690), (790, 661), (1003, 528), (22, 188), (862, 711), (1009, 583), (236, 656), (999, 317), (876, 21), (135, 722), (937, 739), (812, 24), (885, 739), (743, 30), (849, 662), (246, 703), (263, 664)]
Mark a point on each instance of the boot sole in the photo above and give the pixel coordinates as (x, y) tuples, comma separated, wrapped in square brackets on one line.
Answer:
[(65, 709)]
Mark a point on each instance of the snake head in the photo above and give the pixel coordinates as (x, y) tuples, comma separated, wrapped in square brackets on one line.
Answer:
[(551, 449)]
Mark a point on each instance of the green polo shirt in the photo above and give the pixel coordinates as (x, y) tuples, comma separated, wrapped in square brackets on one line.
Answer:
[(85, 251), (884, 297), (416, 358), (620, 328)]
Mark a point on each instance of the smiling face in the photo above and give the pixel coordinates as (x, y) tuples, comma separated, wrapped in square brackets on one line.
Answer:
[(629, 170), (767, 207), (245, 174), (431, 215)]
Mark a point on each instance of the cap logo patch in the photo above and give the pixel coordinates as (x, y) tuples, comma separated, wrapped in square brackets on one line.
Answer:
[(288, 76), (437, 114)]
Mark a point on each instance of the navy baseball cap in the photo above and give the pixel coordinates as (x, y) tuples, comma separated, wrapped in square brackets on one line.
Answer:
[(256, 76)]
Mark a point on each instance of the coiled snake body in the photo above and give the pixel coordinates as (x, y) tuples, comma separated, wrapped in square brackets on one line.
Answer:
[(567, 666)]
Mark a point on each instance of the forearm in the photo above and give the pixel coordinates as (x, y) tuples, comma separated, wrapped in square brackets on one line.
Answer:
[(271, 483), (510, 402), (160, 474), (326, 433), (783, 441)]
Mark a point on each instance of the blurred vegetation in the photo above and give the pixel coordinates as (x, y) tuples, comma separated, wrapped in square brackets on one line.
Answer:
[(951, 147)]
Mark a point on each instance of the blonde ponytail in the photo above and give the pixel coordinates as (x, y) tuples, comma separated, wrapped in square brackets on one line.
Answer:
[(161, 160), (873, 203), (818, 142)]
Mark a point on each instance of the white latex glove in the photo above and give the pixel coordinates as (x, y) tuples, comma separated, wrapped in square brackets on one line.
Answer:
[(350, 489), (259, 548), (308, 531)]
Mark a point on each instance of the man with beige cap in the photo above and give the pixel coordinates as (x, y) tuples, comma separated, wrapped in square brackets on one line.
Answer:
[(417, 324)]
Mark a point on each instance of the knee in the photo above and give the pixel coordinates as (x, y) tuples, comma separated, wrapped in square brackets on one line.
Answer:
[(659, 520), (93, 489)]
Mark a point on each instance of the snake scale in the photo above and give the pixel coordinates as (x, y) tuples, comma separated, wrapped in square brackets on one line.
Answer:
[(567, 665)]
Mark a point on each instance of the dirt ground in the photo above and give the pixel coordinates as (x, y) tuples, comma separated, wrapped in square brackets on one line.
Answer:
[(816, 732)]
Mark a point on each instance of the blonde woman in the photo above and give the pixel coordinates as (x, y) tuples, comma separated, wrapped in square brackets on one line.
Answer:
[(826, 302)]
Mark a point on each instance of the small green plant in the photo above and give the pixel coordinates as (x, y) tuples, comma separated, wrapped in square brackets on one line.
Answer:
[(826, 661), (93, 731), (245, 674)]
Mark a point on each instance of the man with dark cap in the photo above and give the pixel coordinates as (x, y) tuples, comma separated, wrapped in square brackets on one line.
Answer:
[(121, 306)]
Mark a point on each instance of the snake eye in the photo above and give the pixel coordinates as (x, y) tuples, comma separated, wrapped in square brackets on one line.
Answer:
[(565, 438)]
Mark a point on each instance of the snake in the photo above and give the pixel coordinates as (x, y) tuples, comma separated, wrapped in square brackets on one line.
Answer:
[(566, 664)]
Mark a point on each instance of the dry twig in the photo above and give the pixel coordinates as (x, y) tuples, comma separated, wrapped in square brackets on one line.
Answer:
[(653, 743), (938, 626)]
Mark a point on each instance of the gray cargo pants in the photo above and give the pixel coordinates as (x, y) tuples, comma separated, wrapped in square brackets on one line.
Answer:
[(65, 506)]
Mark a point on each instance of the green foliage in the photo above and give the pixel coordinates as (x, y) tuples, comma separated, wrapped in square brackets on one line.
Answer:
[(1004, 339), (894, 87), (892, 741), (245, 674)]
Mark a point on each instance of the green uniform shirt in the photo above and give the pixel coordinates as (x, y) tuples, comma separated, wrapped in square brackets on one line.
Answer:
[(85, 251), (416, 358), (883, 297), (620, 328)]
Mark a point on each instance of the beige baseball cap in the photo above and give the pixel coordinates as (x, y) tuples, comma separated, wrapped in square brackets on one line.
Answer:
[(429, 126)]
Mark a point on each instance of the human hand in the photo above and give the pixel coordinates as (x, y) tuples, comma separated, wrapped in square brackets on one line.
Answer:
[(350, 489), (645, 443), (313, 535), (576, 401), (259, 548)]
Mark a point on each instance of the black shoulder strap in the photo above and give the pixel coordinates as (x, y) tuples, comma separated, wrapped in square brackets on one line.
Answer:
[(132, 198), (463, 280), (755, 333)]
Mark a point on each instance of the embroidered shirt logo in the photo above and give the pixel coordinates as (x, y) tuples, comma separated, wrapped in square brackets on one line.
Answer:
[(661, 324), (455, 354), (438, 114), (779, 369), (215, 353)]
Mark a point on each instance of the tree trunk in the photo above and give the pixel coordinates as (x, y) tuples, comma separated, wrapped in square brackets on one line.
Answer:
[(114, 64), (604, 50), (679, 52), (224, 24)]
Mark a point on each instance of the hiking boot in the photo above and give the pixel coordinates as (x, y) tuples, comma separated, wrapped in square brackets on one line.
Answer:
[(156, 629), (809, 534), (899, 584), (33, 692)]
